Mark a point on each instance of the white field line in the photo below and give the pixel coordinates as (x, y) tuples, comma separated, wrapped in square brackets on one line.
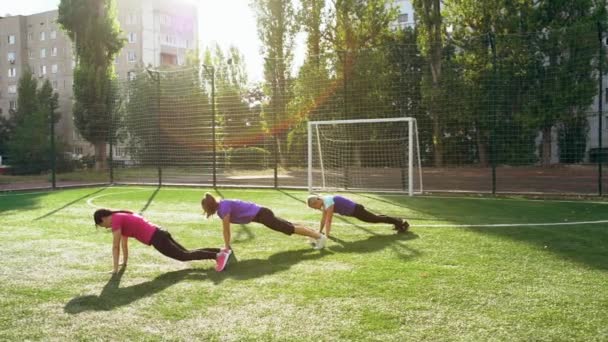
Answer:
[(90, 200), (90, 203), (496, 225), (445, 225)]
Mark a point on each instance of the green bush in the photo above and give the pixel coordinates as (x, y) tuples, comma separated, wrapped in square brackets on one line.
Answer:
[(248, 158)]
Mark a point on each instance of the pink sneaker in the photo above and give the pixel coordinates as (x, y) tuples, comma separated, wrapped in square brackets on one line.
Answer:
[(222, 260)]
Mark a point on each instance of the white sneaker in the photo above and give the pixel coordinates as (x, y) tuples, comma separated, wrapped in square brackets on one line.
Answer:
[(320, 243), (312, 242)]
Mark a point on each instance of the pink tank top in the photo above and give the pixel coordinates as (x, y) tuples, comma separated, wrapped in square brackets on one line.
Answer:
[(133, 225)]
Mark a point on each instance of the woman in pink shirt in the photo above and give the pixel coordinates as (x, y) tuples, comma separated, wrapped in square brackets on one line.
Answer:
[(125, 224)]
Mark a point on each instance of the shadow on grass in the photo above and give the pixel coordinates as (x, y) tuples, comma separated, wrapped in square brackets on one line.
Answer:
[(292, 196), (113, 296), (283, 261), (68, 204), (584, 244), (20, 201), (149, 200)]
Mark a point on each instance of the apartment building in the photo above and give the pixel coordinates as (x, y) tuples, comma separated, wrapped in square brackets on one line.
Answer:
[(406, 13), (157, 33)]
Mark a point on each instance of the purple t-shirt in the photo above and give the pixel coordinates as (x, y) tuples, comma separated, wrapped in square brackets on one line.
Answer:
[(240, 211), (342, 205)]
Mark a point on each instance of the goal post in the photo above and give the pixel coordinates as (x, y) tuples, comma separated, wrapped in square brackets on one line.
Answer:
[(364, 155)]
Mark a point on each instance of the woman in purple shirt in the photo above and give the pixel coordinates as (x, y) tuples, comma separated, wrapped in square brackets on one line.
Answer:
[(125, 224), (237, 211), (343, 206)]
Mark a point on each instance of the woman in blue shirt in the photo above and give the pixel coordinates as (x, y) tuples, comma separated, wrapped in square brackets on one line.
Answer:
[(337, 204)]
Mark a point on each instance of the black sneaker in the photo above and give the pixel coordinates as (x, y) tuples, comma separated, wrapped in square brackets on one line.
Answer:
[(403, 228)]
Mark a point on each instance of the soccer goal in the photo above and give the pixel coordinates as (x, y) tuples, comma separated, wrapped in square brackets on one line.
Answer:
[(364, 155)]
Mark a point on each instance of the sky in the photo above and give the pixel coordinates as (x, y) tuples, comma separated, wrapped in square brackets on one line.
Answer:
[(224, 21)]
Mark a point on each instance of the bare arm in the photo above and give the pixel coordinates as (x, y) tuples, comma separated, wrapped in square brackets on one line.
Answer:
[(125, 251), (117, 236), (322, 225), (226, 226), (328, 214)]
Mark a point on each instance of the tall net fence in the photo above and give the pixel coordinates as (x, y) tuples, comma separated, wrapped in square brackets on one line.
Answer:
[(495, 113)]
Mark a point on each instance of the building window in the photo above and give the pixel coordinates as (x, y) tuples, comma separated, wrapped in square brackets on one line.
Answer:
[(165, 19), (53, 34), (11, 57), (121, 152), (403, 18), (30, 54), (131, 18), (132, 57), (12, 105), (131, 75), (132, 37), (42, 53), (30, 36), (42, 70), (42, 35), (78, 150), (54, 51), (54, 68), (54, 84), (12, 89), (12, 72), (73, 63), (11, 39)]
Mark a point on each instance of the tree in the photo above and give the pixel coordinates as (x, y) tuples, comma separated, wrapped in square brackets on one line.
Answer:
[(565, 64), (542, 75), (430, 20), (29, 150), (94, 30), (239, 125), (6, 128), (277, 26)]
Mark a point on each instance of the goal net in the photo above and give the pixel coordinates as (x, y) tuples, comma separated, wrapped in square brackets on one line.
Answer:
[(366, 154)]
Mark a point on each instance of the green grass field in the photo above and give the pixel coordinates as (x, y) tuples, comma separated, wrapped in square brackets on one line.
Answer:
[(437, 283)]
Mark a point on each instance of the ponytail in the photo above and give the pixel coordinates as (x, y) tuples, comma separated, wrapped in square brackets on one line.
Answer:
[(209, 204), (101, 213)]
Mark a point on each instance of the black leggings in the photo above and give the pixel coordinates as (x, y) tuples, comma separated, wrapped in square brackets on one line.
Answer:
[(164, 243), (362, 214), (266, 217)]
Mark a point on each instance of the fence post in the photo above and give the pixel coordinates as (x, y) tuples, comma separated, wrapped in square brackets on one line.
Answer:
[(492, 39), (211, 69), (345, 156), (155, 75), (600, 109), (114, 92), (53, 151), (275, 101), (111, 141)]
